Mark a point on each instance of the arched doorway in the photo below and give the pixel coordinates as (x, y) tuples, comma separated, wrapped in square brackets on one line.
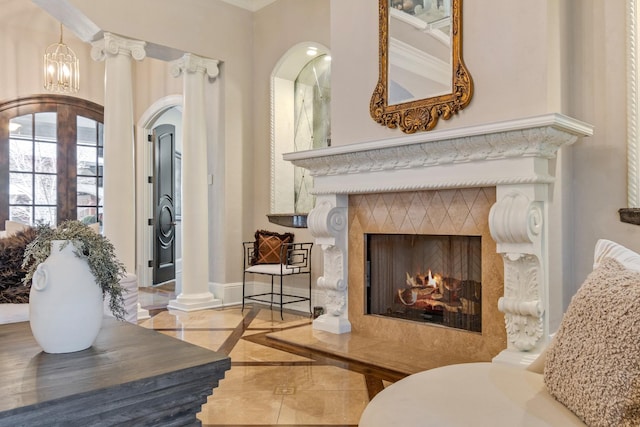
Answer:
[(165, 112)]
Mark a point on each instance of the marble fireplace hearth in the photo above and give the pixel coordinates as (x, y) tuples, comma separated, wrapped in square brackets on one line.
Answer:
[(508, 182)]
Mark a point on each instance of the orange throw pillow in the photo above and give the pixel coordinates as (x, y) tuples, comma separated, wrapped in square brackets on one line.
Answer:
[(267, 246)]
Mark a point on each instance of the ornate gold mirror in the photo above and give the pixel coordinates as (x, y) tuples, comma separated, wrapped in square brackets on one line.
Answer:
[(422, 75)]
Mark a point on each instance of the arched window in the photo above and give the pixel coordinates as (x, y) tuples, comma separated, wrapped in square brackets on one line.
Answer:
[(301, 120), (51, 160)]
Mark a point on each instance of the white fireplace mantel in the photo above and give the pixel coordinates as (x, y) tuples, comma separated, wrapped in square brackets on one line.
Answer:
[(519, 157)]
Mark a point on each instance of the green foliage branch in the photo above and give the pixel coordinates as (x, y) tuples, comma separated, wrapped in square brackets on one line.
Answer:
[(96, 249)]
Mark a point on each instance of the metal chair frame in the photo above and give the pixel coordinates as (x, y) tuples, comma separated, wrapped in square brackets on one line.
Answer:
[(298, 261)]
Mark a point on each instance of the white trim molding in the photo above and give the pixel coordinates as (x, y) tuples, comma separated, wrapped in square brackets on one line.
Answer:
[(633, 122)]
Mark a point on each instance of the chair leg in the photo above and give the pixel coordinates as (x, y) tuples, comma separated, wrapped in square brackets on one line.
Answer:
[(271, 305), (281, 316), (310, 308), (243, 284)]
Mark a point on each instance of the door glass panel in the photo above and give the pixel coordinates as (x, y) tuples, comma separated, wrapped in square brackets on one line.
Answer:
[(46, 127), (20, 188), (86, 131), (45, 215), (100, 134), (87, 215), (46, 157), (100, 161), (21, 214), (90, 160), (86, 160), (21, 126), (20, 154), (87, 191), (45, 189)]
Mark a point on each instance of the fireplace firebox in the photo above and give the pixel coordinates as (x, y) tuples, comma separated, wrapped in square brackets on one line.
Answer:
[(433, 279)]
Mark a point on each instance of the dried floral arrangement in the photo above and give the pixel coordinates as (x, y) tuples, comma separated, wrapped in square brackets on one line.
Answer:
[(12, 248), (95, 248)]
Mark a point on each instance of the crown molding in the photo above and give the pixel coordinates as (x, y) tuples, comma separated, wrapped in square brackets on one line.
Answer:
[(252, 5)]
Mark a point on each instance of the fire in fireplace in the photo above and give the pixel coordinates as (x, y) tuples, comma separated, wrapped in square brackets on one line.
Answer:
[(425, 278)]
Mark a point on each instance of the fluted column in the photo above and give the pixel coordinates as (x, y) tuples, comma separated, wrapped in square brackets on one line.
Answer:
[(327, 222), (119, 165), (195, 293)]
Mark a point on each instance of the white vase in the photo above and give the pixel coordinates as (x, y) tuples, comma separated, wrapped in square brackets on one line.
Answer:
[(65, 302)]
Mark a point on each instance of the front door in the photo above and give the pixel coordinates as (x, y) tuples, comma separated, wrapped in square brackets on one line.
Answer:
[(164, 221)]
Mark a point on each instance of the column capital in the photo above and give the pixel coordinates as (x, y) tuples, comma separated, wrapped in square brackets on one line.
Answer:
[(112, 45), (190, 63)]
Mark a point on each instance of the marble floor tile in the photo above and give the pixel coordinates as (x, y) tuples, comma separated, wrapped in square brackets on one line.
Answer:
[(323, 407), (267, 318), (258, 378), (242, 407), (211, 340), (246, 351), (282, 372)]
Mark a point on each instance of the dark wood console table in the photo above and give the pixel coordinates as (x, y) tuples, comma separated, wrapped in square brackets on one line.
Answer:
[(130, 376)]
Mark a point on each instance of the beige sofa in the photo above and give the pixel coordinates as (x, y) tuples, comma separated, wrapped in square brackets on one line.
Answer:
[(603, 389)]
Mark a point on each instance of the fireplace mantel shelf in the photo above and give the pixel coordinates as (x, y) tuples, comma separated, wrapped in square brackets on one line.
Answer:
[(492, 154), (469, 134)]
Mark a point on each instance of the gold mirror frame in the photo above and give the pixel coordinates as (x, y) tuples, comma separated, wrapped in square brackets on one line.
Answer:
[(421, 114)]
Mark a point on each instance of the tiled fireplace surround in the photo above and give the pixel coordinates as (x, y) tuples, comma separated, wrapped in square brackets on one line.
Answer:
[(507, 182)]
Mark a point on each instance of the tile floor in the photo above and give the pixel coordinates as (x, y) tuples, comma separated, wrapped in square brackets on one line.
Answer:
[(272, 380)]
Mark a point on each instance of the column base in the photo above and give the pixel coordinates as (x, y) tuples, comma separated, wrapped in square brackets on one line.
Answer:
[(520, 359), (194, 302), (143, 314), (333, 324)]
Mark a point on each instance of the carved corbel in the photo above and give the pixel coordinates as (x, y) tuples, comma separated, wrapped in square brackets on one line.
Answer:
[(516, 224), (327, 224), (522, 303)]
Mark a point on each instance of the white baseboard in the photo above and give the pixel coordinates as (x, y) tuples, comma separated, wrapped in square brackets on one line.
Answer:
[(231, 294)]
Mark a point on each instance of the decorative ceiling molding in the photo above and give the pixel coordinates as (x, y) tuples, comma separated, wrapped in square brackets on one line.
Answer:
[(252, 5)]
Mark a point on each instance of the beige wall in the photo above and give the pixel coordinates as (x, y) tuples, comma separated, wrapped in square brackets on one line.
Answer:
[(508, 49), (526, 59), (217, 30), (25, 33), (297, 22), (598, 88)]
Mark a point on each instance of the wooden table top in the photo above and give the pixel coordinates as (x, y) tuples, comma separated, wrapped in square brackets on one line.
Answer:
[(124, 356)]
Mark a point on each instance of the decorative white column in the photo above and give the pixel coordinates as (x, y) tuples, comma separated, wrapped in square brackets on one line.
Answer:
[(327, 222), (195, 293), (119, 166)]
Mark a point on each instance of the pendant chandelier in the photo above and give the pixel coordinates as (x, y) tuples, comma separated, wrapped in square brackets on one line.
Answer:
[(61, 68)]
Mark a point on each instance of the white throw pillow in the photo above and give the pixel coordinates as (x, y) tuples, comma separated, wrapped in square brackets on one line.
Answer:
[(608, 249)]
